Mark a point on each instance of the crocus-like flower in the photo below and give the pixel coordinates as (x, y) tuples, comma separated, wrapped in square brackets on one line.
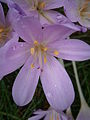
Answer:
[(5, 28), (7, 34), (50, 114), (41, 9), (37, 54), (78, 10)]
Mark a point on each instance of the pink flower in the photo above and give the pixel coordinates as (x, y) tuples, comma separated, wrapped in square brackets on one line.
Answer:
[(38, 54)]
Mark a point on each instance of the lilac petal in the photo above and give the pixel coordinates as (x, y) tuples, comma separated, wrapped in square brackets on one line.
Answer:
[(12, 56), (28, 28), (2, 18), (51, 4), (71, 9), (84, 113), (57, 85), (25, 84), (54, 17), (36, 117), (54, 32), (73, 49), (25, 5)]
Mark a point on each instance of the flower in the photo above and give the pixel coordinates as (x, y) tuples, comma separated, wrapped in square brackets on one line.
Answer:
[(78, 10), (50, 114), (5, 28), (37, 54), (42, 10), (7, 33)]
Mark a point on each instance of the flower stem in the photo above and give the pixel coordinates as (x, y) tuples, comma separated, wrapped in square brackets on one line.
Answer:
[(83, 101)]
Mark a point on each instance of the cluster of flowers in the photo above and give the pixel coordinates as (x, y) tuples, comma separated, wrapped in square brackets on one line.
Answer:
[(44, 35)]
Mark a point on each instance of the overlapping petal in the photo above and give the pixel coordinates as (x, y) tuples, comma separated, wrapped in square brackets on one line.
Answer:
[(54, 17), (12, 56), (52, 4), (29, 29), (25, 83), (57, 85), (71, 10), (84, 113), (72, 49), (55, 32)]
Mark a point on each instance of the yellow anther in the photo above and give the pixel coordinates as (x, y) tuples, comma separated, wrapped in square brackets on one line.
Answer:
[(32, 66), (36, 42), (42, 5), (1, 30), (56, 52), (45, 48), (45, 59), (32, 51)]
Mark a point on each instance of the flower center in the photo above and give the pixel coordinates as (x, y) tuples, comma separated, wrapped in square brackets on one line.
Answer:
[(39, 51), (4, 31), (84, 10)]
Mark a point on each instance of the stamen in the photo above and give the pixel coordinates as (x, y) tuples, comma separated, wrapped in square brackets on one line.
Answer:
[(84, 7), (1, 30), (36, 42), (45, 59), (32, 50), (32, 66), (56, 52), (45, 49), (42, 5)]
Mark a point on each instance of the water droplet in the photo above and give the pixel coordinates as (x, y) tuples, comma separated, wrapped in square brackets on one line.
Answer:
[(59, 18)]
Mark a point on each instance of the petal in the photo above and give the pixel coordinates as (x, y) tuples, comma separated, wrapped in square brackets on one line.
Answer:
[(36, 117), (57, 85), (25, 84), (28, 28), (12, 56), (2, 18), (72, 49), (84, 113), (71, 9), (53, 17), (51, 4), (55, 32)]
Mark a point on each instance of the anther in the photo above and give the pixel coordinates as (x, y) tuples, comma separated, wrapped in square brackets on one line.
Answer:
[(45, 59), (42, 5), (35, 42), (45, 49), (32, 50), (1, 30), (32, 66), (56, 52)]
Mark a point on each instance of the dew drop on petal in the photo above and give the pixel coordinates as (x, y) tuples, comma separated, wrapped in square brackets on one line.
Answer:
[(59, 18)]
